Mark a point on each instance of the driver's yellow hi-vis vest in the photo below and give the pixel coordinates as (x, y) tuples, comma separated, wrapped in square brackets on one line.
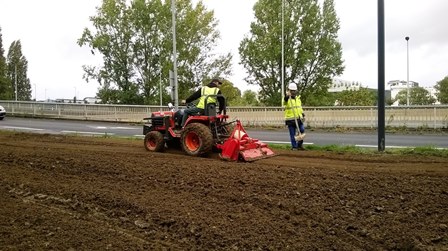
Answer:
[(207, 91), (295, 104)]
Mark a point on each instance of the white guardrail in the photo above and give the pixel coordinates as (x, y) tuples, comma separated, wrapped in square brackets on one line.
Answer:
[(435, 116)]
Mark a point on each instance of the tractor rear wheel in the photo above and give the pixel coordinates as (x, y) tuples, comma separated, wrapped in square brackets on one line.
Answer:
[(197, 139), (154, 141)]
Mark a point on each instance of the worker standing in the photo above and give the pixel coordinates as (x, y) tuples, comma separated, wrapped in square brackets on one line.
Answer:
[(294, 116)]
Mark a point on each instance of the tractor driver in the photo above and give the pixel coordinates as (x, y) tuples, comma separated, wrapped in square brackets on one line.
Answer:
[(211, 89)]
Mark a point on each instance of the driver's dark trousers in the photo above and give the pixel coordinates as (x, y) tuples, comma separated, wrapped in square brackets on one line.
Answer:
[(190, 111)]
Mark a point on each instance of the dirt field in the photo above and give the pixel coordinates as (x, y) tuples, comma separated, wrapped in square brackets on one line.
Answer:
[(82, 193)]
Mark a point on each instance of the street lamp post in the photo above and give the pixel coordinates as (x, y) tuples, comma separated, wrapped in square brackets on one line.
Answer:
[(176, 97), (283, 52), (160, 81), (407, 81)]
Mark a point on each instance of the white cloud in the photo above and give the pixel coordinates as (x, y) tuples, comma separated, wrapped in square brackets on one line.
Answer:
[(423, 22), (48, 30)]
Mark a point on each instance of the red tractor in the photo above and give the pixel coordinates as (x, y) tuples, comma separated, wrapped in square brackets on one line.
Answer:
[(202, 134)]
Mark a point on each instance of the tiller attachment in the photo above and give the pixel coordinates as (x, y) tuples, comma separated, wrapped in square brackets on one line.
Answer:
[(239, 146)]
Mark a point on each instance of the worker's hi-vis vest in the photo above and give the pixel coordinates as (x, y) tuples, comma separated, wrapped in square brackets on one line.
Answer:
[(207, 91), (295, 104)]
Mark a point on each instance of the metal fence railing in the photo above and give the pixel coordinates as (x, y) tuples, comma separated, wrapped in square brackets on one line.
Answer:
[(435, 116)]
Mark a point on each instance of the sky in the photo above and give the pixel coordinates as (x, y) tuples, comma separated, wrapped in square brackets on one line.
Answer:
[(48, 31)]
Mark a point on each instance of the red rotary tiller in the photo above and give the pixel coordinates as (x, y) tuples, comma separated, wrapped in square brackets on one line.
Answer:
[(239, 146)]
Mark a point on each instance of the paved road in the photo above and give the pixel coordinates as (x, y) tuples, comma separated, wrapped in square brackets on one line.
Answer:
[(268, 136)]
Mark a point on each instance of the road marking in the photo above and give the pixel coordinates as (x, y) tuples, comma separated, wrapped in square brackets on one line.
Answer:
[(22, 128), (284, 142), (113, 127), (122, 128), (98, 127), (95, 133)]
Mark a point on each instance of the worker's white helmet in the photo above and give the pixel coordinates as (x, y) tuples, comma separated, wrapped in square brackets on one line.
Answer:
[(292, 87)]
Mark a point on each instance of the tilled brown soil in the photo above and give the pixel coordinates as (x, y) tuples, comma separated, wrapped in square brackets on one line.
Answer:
[(82, 193)]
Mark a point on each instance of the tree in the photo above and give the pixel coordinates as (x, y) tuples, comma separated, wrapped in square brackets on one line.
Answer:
[(324, 99), (135, 41), (360, 97), (5, 85), (312, 54), (250, 98), (421, 96), (17, 72), (230, 92), (197, 37), (417, 96), (442, 90), (113, 40)]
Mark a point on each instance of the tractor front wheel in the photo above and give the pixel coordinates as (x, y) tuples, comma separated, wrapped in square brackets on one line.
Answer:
[(154, 141), (197, 139)]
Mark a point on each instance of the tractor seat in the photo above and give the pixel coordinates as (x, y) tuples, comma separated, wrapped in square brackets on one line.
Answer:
[(210, 110)]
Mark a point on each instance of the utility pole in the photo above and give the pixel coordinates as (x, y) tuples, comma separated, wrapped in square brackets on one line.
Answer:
[(160, 84), (407, 81), (381, 79), (160, 78), (176, 89), (283, 52)]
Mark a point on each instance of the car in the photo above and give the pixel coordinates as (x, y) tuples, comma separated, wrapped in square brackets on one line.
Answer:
[(2, 112)]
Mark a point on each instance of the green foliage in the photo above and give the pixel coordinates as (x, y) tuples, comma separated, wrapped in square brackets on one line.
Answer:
[(197, 37), (5, 85), (389, 101), (417, 96), (360, 97), (442, 90), (324, 99), (421, 96), (250, 98), (425, 151), (113, 39), (312, 54), (134, 39), (231, 93), (17, 69)]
